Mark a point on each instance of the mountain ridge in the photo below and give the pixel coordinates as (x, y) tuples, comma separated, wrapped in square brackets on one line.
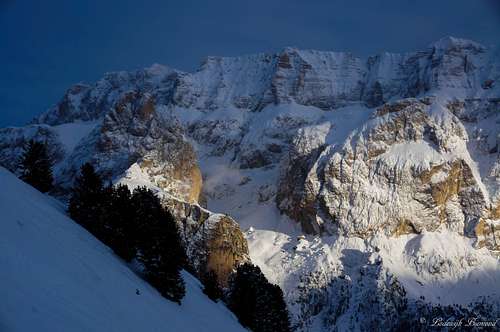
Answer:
[(267, 70)]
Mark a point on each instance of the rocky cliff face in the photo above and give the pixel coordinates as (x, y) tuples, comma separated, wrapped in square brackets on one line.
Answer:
[(382, 161), (137, 145), (213, 241), (406, 170)]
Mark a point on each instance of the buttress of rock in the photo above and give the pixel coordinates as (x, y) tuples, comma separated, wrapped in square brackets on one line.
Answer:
[(214, 242), (403, 172)]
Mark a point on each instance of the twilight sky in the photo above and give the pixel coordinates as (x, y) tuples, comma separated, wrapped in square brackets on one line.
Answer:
[(45, 46)]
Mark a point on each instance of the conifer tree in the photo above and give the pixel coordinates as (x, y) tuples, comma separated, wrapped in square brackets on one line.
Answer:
[(35, 166), (243, 296), (167, 280), (86, 202), (159, 246), (135, 226), (281, 318), (104, 227), (258, 304), (211, 285), (120, 218), (271, 311)]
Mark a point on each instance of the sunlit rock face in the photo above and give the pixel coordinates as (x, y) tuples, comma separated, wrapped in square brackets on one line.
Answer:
[(406, 170), (213, 242)]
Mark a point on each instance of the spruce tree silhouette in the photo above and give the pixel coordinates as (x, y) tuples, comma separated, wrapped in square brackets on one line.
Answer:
[(120, 220), (36, 166), (211, 285), (86, 202), (258, 304), (159, 245), (134, 226)]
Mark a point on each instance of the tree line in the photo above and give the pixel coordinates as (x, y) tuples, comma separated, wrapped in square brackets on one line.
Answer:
[(137, 227), (133, 224)]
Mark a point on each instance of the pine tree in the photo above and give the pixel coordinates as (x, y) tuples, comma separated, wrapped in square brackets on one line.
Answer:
[(271, 312), (158, 244), (258, 304), (243, 296), (35, 166), (281, 317), (104, 227), (134, 226), (120, 218), (86, 202), (211, 285), (168, 281)]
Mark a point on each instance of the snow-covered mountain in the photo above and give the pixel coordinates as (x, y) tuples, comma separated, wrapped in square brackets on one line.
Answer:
[(55, 276), (368, 189)]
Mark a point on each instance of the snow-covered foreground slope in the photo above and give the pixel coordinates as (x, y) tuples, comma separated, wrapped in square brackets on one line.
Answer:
[(55, 276)]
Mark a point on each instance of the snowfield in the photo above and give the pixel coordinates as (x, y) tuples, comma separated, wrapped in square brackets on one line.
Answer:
[(55, 276)]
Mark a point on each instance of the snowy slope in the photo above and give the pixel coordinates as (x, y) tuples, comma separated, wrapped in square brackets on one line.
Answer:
[(56, 277)]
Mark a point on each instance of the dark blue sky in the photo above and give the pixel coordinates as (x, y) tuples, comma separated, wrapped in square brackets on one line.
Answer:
[(45, 46)]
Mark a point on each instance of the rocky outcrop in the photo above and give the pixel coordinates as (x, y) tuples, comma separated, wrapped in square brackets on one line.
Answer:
[(450, 63), (298, 183), (325, 80), (133, 135), (84, 102), (487, 232), (135, 132), (214, 242), (402, 173)]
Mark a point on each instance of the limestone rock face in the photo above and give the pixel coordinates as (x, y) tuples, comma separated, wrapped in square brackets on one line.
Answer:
[(450, 63), (214, 242), (135, 132), (298, 183), (84, 102), (323, 79), (487, 232), (403, 172)]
